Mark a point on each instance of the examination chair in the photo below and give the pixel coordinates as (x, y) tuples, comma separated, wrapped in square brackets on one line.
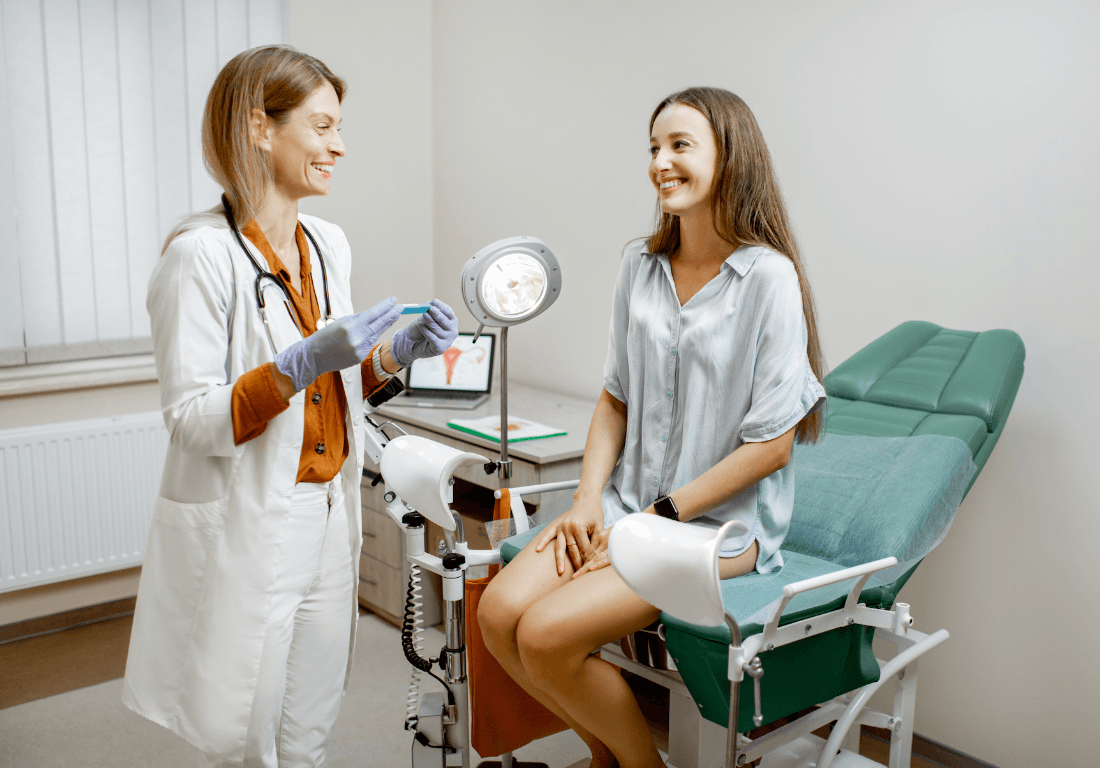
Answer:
[(911, 421)]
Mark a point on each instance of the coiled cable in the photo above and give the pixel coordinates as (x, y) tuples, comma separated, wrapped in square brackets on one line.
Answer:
[(412, 643)]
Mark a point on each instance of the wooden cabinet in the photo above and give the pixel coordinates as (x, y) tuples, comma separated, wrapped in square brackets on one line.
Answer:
[(383, 568)]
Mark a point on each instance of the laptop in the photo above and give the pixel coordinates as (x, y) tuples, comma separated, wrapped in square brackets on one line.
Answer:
[(460, 378)]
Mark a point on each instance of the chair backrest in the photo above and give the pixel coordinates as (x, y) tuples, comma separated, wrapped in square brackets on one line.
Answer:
[(921, 378)]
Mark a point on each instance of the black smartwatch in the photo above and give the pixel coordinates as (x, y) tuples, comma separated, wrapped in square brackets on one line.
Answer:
[(666, 507)]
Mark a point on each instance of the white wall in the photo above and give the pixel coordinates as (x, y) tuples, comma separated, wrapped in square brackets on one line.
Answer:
[(382, 190), (941, 163)]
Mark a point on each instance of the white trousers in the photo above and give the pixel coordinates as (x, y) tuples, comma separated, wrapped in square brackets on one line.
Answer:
[(305, 654)]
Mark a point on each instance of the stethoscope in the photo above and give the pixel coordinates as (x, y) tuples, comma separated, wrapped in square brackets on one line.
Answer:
[(263, 275)]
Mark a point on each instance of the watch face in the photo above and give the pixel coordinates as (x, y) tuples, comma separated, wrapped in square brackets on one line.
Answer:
[(665, 507)]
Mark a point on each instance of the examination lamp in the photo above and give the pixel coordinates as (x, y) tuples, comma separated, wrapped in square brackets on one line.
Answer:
[(510, 281), (506, 283)]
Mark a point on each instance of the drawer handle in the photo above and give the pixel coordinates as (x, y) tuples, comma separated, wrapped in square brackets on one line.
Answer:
[(368, 581), (370, 535)]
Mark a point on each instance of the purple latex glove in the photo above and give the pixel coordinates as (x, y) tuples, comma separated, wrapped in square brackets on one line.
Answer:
[(340, 344), (428, 337)]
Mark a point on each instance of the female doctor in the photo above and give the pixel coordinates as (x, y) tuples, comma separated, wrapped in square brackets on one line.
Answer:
[(246, 610)]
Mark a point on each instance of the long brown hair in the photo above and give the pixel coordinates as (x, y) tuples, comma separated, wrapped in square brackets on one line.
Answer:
[(748, 207), (274, 78)]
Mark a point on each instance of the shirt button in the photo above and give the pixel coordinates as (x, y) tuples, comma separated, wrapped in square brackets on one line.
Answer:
[(672, 351), (669, 394), (320, 448), (356, 419), (316, 397), (655, 482), (664, 438)]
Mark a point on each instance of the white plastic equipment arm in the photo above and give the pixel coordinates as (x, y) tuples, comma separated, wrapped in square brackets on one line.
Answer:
[(544, 488), (373, 444), (519, 512)]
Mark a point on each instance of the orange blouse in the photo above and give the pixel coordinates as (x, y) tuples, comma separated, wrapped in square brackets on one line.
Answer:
[(256, 399)]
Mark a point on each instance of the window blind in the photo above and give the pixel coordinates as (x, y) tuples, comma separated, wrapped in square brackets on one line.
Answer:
[(100, 152)]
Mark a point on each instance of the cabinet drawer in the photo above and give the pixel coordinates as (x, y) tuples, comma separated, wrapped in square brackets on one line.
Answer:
[(382, 538), (381, 586)]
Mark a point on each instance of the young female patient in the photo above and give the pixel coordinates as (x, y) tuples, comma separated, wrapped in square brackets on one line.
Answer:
[(712, 372)]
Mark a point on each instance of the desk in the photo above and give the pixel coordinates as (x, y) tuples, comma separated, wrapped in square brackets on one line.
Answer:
[(548, 460), (383, 569)]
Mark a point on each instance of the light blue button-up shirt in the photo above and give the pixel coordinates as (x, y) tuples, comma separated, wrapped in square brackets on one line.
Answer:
[(699, 381)]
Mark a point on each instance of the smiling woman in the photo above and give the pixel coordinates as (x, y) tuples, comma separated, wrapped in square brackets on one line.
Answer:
[(712, 371), (245, 613), (304, 147), (684, 153)]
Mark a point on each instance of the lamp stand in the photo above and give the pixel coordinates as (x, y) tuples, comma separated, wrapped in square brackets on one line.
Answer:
[(504, 466)]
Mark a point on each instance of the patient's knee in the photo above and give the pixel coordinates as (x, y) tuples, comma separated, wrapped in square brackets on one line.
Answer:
[(543, 655), (497, 617)]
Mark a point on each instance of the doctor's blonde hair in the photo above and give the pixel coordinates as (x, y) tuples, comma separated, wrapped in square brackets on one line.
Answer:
[(272, 78), (748, 207)]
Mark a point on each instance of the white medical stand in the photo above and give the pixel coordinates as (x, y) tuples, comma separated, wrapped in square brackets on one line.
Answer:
[(419, 478)]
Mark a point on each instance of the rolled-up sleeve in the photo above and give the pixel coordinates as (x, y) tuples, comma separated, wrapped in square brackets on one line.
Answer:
[(189, 301), (784, 388), (615, 369)]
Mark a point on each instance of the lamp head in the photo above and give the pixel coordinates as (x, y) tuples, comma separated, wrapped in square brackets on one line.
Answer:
[(510, 281), (672, 565)]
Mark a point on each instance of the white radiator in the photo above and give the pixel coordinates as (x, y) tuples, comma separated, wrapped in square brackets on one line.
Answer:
[(77, 498)]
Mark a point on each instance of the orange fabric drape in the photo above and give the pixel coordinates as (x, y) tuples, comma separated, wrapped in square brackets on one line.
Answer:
[(503, 716)]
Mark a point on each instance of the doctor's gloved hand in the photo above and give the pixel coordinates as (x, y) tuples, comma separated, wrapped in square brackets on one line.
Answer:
[(431, 335), (340, 344)]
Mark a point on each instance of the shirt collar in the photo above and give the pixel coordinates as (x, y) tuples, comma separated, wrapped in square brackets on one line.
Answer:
[(743, 258), (740, 261)]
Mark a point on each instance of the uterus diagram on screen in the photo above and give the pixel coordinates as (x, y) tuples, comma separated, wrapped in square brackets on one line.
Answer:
[(451, 356)]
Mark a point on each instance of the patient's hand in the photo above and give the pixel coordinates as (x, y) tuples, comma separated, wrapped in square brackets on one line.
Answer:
[(573, 532), (596, 557)]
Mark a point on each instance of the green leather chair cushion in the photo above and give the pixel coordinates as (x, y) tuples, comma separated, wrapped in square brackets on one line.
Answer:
[(854, 417), (922, 367)]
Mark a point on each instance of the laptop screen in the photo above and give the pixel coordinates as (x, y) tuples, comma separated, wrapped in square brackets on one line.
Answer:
[(465, 367)]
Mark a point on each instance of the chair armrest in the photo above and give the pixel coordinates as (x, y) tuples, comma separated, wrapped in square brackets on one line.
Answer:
[(860, 572)]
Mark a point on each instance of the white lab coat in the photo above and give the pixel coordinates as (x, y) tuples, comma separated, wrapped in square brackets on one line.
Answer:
[(210, 563)]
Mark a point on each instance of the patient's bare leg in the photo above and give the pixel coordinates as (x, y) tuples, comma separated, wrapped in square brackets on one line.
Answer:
[(559, 630), (529, 577), (555, 637)]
